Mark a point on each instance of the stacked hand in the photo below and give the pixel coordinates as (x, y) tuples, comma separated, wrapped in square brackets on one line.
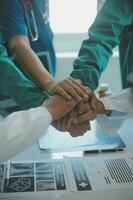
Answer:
[(77, 122), (73, 106), (89, 110), (69, 88)]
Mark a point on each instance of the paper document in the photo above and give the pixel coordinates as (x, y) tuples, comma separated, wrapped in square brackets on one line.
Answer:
[(100, 173), (32, 178), (95, 173)]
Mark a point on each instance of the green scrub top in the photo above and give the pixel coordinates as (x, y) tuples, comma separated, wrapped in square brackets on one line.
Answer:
[(112, 27), (14, 84)]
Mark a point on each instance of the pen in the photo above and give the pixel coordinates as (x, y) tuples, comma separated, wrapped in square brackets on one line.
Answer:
[(87, 152), (8, 172), (108, 150)]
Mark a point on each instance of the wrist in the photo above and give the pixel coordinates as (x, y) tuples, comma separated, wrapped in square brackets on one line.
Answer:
[(52, 112), (47, 104), (102, 109), (48, 83)]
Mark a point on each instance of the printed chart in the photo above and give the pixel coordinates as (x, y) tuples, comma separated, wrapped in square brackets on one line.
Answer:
[(77, 174), (33, 177)]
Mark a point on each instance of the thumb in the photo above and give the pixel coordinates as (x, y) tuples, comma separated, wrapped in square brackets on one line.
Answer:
[(93, 102)]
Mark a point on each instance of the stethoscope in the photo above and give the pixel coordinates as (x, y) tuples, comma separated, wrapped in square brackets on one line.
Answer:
[(30, 13)]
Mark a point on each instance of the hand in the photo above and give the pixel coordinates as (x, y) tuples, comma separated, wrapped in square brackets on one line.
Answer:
[(92, 100), (79, 129), (74, 130), (83, 112), (69, 88), (59, 107), (64, 123), (88, 113)]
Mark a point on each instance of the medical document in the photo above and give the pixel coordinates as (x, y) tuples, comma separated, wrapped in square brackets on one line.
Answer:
[(33, 178), (100, 173), (71, 174)]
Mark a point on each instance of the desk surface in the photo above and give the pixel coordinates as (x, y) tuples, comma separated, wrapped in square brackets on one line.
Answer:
[(34, 153)]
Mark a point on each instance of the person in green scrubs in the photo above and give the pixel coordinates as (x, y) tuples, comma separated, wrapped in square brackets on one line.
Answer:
[(25, 93), (112, 27)]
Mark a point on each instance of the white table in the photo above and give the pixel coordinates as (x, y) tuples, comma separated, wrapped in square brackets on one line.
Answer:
[(32, 153)]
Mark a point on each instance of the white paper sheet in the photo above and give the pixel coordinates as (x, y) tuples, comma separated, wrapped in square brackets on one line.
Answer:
[(34, 178), (100, 173)]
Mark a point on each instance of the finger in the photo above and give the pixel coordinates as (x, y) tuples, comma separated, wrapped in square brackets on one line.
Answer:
[(81, 90), (83, 118), (71, 113), (63, 93), (89, 126), (80, 108), (86, 126), (88, 91), (73, 134), (74, 92), (70, 119), (76, 134), (58, 124), (71, 88), (64, 123), (79, 84)]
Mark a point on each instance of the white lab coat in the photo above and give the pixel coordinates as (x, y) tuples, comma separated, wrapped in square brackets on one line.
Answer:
[(22, 129), (122, 108)]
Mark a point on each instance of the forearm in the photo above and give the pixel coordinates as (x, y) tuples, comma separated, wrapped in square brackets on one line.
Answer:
[(22, 129), (29, 61), (14, 84), (104, 35)]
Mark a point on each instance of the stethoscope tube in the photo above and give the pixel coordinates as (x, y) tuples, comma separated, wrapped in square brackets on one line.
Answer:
[(28, 7)]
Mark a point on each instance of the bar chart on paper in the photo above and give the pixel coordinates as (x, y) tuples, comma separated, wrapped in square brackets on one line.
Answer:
[(105, 173)]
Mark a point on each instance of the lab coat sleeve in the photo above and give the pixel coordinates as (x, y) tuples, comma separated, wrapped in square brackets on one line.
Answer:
[(22, 129), (13, 83), (122, 102), (104, 35), (122, 108)]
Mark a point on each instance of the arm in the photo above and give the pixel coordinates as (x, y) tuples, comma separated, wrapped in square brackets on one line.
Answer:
[(121, 107), (33, 68), (65, 124), (29, 61), (22, 129), (104, 35), (121, 102), (14, 34), (14, 84), (117, 107)]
